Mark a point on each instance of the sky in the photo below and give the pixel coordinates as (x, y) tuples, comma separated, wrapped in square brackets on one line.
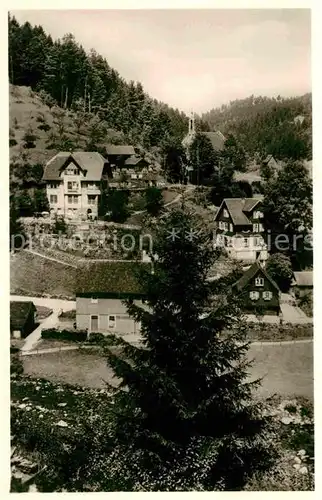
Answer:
[(195, 59)]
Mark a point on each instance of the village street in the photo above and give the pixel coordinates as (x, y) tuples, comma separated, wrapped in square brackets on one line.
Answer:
[(56, 305)]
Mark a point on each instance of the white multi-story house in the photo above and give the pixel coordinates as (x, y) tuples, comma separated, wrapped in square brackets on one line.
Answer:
[(73, 183), (240, 230)]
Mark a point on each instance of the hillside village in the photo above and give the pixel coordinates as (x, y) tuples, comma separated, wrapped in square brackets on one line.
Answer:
[(99, 263)]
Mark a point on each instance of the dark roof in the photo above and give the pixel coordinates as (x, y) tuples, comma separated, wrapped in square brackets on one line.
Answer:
[(134, 160), (91, 163), (217, 139), (250, 274), (120, 150), (303, 278), (19, 313), (238, 208), (109, 278)]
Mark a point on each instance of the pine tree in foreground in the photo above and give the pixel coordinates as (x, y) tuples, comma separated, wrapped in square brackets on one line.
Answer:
[(185, 418)]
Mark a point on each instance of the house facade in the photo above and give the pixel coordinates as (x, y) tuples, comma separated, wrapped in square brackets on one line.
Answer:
[(258, 291), (73, 183), (101, 289), (23, 317), (302, 283), (239, 229)]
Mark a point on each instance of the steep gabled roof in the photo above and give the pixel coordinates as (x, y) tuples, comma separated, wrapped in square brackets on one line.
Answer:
[(134, 160), (120, 150), (217, 139), (19, 312), (250, 274), (110, 278), (303, 278), (238, 209), (91, 163)]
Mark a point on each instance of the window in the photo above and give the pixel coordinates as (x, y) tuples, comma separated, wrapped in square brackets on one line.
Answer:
[(53, 198), (246, 242), (225, 213), (72, 185), (258, 214), (223, 225), (133, 176), (72, 199), (231, 228), (255, 228), (267, 295), (259, 281), (260, 228), (140, 176), (254, 295), (94, 300), (52, 186), (72, 171), (91, 199), (111, 321)]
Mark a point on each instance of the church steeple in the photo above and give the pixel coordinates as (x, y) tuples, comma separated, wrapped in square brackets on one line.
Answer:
[(192, 123)]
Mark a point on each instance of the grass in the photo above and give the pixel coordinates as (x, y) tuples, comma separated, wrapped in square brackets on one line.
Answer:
[(39, 404), (38, 275), (86, 368), (286, 370)]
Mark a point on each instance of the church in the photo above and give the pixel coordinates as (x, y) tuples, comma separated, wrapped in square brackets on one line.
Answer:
[(216, 138)]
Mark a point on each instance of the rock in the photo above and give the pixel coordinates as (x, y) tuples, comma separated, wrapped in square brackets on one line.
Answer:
[(301, 453), (303, 470), (296, 466), (62, 404), (22, 406), (286, 420), (62, 423), (297, 460)]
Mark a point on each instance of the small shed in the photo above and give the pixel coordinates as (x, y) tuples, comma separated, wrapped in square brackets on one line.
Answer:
[(302, 283), (23, 316)]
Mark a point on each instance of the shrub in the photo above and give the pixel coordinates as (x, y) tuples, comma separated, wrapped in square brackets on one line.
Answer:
[(72, 335), (16, 366), (44, 126), (12, 142), (96, 338)]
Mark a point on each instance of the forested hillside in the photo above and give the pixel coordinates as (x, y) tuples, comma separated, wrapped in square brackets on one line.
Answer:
[(263, 125), (65, 75)]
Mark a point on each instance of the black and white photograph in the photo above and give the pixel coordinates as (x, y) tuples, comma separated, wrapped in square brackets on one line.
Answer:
[(161, 250)]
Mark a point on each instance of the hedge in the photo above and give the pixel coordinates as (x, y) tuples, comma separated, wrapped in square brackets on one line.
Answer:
[(73, 335)]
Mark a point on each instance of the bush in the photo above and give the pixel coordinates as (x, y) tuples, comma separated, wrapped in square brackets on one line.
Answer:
[(72, 335), (16, 366), (44, 126), (12, 142), (96, 338)]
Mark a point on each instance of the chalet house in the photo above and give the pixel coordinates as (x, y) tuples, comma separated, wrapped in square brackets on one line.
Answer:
[(258, 291), (101, 287), (302, 283), (135, 173), (118, 154), (23, 316), (270, 162), (73, 183), (239, 229)]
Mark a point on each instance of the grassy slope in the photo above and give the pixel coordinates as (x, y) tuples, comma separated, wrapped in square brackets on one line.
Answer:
[(31, 274), (25, 110)]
